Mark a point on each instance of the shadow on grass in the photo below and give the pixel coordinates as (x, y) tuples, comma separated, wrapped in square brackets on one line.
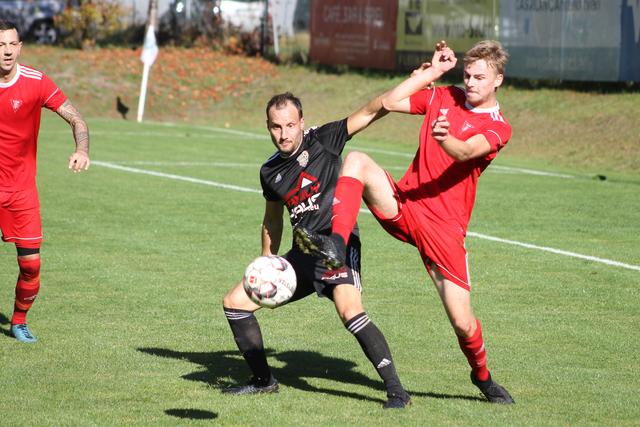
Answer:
[(191, 414), (4, 320), (298, 365)]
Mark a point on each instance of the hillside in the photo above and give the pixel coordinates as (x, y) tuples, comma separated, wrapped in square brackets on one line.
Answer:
[(561, 129)]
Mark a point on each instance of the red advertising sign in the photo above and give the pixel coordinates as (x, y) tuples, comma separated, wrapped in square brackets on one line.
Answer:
[(359, 33)]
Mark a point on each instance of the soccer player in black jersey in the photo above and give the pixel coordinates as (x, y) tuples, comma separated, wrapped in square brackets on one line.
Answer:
[(301, 176)]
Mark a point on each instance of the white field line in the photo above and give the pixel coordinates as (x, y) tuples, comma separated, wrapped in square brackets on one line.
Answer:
[(252, 135), (175, 177), (556, 251), (252, 190), (178, 163)]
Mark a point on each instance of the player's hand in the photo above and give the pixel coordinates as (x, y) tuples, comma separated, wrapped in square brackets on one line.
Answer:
[(79, 161), (420, 69), (440, 129), (444, 59)]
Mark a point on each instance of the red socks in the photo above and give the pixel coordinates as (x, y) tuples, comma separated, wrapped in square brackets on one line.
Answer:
[(346, 206), (27, 288), (473, 349)]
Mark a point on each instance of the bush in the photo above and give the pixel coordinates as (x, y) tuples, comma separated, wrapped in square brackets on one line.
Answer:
[(93, 22)]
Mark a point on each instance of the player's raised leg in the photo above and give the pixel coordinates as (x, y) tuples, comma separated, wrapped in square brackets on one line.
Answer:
[(348, 303), (239, 311), (360, 177), (457, 304)]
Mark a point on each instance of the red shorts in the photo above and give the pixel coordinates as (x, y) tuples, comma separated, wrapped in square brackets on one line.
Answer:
[(442, 244), (20, 218)]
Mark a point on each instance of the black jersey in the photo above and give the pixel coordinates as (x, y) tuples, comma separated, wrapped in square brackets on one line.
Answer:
[(306, 181)]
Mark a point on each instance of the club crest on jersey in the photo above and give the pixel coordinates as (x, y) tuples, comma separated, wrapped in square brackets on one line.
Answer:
[(16, 104), (466, 126), (303, 158)]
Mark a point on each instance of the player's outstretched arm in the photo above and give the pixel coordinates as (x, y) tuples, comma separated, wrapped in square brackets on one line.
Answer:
[(272, 227), (79, 160), (366, 115), (443, 60)]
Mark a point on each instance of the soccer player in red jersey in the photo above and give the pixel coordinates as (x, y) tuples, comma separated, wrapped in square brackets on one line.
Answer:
[(430, 206), (23, 93)]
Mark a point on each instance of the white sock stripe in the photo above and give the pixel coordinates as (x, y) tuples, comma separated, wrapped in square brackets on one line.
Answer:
[(355, 331), (234, 315), (357, 326)]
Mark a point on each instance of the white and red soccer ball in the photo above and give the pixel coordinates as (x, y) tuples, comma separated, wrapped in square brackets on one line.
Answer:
[(269, 281)]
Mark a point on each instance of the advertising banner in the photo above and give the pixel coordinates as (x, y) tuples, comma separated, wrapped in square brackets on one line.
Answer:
[(591, 40), (358, 33), (423, 23)]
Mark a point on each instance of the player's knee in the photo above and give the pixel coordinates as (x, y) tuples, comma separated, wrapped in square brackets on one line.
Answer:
[(348, 315), (29, 268), (228, 300), (237, 298), (464, 327), (355, 161)]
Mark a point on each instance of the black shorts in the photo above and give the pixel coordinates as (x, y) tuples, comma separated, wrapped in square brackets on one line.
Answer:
[(312, 275)]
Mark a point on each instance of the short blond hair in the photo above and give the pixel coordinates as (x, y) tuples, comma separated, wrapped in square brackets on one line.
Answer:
[(491, 51)]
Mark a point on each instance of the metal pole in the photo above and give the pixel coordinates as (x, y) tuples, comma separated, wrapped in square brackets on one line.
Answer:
[(151, 24)]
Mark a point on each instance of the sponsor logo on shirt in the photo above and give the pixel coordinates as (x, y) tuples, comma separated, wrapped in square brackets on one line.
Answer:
[(304, 195), (278, 178), (444, 111), (335, 274), (16, 104)]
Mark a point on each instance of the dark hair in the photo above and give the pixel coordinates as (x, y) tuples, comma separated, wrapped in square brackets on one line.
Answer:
[(281, 100), (8, 25)]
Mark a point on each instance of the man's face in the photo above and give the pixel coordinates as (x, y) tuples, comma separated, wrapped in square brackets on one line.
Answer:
[(481, 82), (286, 128), (10, 46)]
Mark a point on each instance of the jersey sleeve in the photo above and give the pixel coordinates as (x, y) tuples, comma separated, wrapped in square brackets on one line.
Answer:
[(333, 135), (497, 134), (422, 100), (52, 96), (267, 192)]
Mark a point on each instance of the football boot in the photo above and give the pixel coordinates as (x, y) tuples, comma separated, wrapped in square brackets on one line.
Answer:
[(329, 249)]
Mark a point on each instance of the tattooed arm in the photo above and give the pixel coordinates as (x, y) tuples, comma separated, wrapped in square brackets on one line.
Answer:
[(79, 160)]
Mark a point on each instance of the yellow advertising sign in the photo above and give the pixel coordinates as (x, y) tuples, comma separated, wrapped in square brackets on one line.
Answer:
[(422, 23)]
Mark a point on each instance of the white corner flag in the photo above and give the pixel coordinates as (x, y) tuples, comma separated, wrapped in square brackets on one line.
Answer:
[(148, 57)]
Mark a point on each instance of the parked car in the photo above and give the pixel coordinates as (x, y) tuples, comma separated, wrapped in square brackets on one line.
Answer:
[(34, 18)]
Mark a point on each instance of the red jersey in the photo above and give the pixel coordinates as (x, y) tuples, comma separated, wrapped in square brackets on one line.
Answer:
[(21, 102), (443, 189)]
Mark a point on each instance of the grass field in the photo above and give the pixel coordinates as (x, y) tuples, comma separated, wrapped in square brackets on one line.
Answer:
[(140, 250), (588, 130)]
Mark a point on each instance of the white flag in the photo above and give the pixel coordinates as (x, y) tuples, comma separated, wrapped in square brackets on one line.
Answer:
[(150, 48)]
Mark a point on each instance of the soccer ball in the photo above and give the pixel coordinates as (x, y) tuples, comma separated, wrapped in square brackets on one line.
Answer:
[(269, 281)]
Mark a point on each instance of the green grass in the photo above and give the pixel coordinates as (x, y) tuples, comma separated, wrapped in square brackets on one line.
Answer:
[(560, 129), (131, 329)]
